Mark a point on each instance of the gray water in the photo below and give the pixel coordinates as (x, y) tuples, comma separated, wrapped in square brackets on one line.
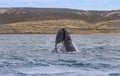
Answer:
[(31, 55)]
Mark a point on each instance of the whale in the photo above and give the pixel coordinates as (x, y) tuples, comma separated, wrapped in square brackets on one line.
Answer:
[(63, 42)]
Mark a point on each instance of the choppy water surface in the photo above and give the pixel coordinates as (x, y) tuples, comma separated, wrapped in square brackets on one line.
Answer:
[(31, 55)]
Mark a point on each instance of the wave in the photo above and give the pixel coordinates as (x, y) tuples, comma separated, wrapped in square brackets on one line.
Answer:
[(114, 74)]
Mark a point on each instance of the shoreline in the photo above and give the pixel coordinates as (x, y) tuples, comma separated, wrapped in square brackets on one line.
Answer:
[(70, 33)]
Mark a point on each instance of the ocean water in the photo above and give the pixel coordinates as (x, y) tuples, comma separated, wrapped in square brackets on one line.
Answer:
[(32, 55)]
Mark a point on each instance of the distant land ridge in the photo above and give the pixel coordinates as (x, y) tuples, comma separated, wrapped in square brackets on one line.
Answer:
[(36, 20)]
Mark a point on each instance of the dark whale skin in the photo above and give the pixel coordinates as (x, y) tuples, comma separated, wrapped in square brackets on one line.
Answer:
[(64, 37)]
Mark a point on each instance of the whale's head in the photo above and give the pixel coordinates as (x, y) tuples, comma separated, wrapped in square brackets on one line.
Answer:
[(62, 36), (63, 40)]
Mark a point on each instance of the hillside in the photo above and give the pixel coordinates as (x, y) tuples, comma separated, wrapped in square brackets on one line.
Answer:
[(49, 20), (51, 26)]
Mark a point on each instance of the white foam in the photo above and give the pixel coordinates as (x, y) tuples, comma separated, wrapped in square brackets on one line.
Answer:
[(46, 70), (74, 45), (62, 70), (60, 47)]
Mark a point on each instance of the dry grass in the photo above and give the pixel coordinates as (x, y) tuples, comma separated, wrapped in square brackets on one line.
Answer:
[(51, 26)]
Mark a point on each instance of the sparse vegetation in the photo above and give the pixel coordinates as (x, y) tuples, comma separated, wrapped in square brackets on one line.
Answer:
[(36, 20), (51, 26)]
